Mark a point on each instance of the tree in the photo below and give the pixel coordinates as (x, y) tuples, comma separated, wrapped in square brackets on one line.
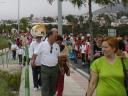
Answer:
[(48, 19), (80, 3), (105, 20), (73, 20), (31, 17), (24, 24), (81, 19)]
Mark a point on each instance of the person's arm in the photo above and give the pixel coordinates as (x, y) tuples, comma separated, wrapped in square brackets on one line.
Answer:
[(36, 52), (33, 59), (31, 51), (93, 83)]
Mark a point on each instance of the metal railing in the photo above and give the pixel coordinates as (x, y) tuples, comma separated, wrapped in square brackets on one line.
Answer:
[(5, 57), (27, 83)]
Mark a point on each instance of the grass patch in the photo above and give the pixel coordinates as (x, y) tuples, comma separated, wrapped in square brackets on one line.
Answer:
[(9, 83), (3, 43)]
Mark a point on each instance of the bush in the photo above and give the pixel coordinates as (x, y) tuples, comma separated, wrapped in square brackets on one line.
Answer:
[(9, 83), (3, 43)]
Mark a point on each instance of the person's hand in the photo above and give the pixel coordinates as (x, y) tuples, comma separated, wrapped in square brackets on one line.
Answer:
[(32, 63), (86, 94), (62, 71), (97, 54), (64, 56), (68, 74), (125, 54)]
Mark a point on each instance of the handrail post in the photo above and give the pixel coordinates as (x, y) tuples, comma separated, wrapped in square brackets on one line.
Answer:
[(27, 85)]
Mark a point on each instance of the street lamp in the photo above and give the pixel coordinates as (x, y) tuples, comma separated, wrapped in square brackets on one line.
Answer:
[(60, 17), (18, 21)]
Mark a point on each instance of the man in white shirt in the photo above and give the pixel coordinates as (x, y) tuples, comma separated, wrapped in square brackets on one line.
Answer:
[(20, 52), (49, 52), (83, 51), (14, 47), (39, 32)]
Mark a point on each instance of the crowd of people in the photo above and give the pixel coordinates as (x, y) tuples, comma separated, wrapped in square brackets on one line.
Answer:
[(50, 53)]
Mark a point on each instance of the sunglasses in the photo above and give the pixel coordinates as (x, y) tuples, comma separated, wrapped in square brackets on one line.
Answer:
[(51, 49)]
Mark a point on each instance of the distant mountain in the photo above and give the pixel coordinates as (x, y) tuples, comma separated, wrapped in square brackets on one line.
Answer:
[(111, 9)]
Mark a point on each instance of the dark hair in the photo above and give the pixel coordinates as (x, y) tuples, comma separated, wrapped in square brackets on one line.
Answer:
[(121, 45), (59, 38), (49, 33), (99, 36)]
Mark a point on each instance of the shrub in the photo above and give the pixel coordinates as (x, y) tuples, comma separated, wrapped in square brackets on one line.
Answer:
[(9, 83), (3, 43)]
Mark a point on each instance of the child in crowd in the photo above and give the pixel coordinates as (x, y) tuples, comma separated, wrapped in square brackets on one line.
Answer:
[(20, 53)]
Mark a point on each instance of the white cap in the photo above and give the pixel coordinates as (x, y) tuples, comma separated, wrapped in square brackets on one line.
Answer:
[(54, 30)]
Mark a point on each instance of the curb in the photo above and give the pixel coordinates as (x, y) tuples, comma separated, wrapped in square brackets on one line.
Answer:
[(81, 72), (22, 83)]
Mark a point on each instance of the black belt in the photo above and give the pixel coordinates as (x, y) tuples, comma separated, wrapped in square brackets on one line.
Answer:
[(49, 66)]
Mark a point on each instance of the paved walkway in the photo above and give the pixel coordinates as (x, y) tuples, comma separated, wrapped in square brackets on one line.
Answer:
[(75, 85)]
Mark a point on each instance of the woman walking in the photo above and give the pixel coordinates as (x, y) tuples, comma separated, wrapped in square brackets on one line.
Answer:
[(107, 72)]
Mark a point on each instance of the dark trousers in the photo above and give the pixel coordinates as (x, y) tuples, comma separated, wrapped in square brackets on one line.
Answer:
[(14, 54), (75, 53), (49, 76), (83, 57), (36, 70), (20, 58)]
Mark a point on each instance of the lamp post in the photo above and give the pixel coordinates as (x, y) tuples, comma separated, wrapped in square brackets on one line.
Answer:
[(60, 17), (18, 21), (91, 28)]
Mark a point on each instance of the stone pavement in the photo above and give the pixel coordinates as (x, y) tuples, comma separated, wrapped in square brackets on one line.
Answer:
[(75, 85)]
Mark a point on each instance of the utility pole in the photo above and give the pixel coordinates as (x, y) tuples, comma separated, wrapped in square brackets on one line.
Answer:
[(60, 17), (91, 27), (18, 21)]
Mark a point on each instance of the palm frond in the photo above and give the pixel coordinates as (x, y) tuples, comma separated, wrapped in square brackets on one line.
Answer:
[(107, 2), (50, 1), (79, 3), (125, 2)]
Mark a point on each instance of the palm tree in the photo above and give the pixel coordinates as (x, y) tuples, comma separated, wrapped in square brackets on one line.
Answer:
[(73, 20), (81, 20)]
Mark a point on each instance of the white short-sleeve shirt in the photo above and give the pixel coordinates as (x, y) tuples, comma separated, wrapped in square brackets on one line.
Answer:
[(47, 58), (83, 48), (32, 48), (20, 51)]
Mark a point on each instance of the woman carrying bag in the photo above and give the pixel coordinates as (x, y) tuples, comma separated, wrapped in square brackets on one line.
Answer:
[(63, 66), (107, 75)]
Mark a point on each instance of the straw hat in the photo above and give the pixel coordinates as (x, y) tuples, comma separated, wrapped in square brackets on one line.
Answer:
[(38, 30)]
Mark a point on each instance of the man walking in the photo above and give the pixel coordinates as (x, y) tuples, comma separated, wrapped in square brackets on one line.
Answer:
[(39, 32), (49, 52), (14, 48)]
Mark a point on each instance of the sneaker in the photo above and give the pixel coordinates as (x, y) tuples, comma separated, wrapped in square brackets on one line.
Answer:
[(39, 87), (35, 89), (83, 63)]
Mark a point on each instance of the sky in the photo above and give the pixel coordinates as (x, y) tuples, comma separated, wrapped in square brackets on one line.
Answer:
[(40, 8)]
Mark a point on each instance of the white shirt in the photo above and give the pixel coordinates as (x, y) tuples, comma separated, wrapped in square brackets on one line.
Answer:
[(14, 47), (20, 51), (47, 58), (83, 48), (32, 48)]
